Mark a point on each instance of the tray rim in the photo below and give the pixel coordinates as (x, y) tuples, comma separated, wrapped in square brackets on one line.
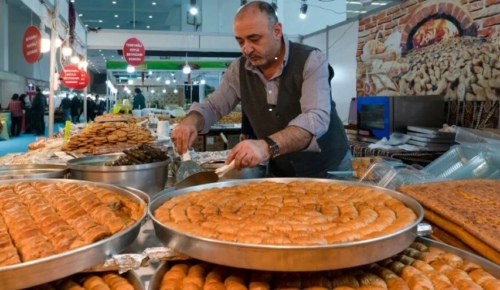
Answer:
[(77, 251), (74, 166), (163, 198)]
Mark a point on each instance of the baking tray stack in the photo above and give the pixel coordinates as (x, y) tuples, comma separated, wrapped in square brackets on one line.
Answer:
[(430, 139)]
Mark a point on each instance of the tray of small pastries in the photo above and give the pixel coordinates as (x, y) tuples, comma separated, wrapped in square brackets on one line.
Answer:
[(50, 229), (425, 264), (288, 224), (95, 281)]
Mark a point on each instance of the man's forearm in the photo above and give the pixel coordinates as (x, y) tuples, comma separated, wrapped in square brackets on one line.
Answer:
[(196, 119), (292, 139)]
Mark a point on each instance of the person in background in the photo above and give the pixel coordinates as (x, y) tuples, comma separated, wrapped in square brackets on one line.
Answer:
[(16, 114), (28, 116), (76, 109), (66, 108), (90, 110), (284, 89), (38, 107), (139, 100), (100, 105)]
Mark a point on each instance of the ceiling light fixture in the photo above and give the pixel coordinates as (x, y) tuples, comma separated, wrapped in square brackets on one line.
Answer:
[(150, 16), (86, 25), (303, 10), (158, 79), (152, 91), (83, 64), (58, 42), (203, 81), (130, 82), (130, 69), (114, 2), (193, 10), (150, 72), (116, 15), (176, 91), (100, 21), (118, 26), (154, 3), (164, 91), (80, 15), (186, 69), (175, 81), (147, 27), (167, 82), (172, 74), (45, 45), (67, 51), (75, 59)]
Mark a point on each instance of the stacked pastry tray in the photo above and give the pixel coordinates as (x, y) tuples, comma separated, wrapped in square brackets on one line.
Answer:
[(486, 265), (28, 274), (287, 258)]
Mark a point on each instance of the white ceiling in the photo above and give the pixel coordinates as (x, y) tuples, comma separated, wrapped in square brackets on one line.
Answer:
[(104, 14)]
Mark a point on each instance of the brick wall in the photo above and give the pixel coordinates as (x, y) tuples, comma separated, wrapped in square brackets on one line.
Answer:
[(483, 14)]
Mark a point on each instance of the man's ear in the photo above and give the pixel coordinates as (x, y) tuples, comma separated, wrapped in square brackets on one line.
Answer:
[(278, 30)]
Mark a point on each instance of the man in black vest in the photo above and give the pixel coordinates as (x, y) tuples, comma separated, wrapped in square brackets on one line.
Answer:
[(285, 90)]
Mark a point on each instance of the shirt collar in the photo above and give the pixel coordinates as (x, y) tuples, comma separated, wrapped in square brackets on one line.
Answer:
[(250, 67)]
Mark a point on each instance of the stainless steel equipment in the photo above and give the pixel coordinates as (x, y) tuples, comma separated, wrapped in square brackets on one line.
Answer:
[(134, 280), (55, 267), (32, 171), (258, 171), (287, 258), (488, 266), (150, 178)]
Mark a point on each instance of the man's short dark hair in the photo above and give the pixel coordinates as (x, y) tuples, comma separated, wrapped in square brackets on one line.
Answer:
[(263, 7), (137, 90)]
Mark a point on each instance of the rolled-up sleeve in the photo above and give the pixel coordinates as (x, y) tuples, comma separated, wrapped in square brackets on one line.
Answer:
[(316, 99), (222, 101)]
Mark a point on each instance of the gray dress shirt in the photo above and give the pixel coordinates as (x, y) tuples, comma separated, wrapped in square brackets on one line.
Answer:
[(315, 100)]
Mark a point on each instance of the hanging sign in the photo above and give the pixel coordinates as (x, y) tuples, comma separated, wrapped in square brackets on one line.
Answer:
[(134, 51), (32, 44), (84, 80), (71, 76)]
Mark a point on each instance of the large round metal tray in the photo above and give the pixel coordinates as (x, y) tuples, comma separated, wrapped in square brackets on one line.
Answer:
[(9, 172), (286, 258), (488, 266), (55, 267)]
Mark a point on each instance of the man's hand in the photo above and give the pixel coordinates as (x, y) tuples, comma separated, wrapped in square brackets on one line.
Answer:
[(186, 132), (249, 153)]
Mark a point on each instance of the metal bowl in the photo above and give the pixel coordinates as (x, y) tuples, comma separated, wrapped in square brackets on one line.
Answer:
[(8, 172), (62, 265), (287, 258), (258, 171), (150, 178), (488, 266)]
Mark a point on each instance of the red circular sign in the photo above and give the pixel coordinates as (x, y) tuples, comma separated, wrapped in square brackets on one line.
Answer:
[(71, 76), (84, 80), (134, 51), (32, 44)]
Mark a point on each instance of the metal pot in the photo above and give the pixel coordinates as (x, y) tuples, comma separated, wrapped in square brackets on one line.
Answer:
[(150, 178), (32, 171), (258, 171)]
